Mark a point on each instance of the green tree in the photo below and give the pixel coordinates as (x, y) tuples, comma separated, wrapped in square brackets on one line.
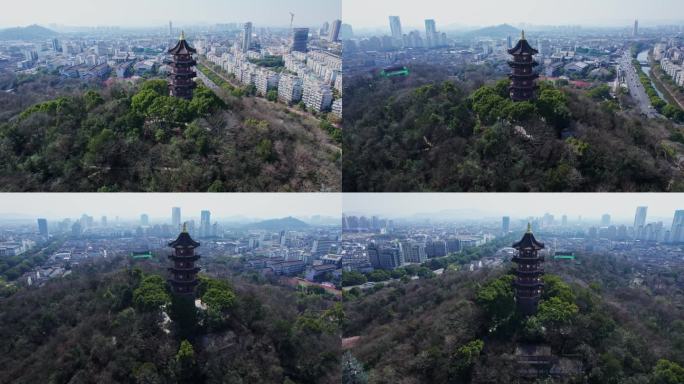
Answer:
[(352, 370), (667, 372), (92, 99), (151, 294), (498, 299), (272, 95)]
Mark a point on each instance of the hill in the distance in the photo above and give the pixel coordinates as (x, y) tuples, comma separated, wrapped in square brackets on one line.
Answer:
[(501, 30), (32, 32), (279, 224)]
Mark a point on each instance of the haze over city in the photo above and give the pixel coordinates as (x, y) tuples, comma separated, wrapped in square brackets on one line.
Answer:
[(148, 13), (589, 206), (609, 13), (130, 206)]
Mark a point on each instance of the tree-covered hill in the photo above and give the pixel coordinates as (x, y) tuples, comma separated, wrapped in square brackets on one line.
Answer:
[(425, 134), (462, 327), (99, 326), (135, 138)]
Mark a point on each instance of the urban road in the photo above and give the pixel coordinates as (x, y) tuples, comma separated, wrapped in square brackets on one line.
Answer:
[(636, 89)]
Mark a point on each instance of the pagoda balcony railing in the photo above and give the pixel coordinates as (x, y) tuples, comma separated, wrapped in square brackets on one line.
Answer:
[(175, 257), (522, 64), (528, 260), (530, 272), (523, 87), (192, 282), (528, 284), (194, 270), (183, 82), (182, 64), (523, 76)]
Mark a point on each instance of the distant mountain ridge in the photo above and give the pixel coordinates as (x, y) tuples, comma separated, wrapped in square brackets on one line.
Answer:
[(32, 32), (502, 30), (279, 224)]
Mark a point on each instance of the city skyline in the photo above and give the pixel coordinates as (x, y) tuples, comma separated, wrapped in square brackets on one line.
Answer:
[(152, 13), (159, 205), (611, 13), (621, 207)]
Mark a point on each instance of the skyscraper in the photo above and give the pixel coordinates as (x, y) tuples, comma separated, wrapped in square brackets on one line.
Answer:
[(640, 218), (431, 33), (605, 220), (505, 225), (170, 28), (43, 227), (144, 220), (205, 224), (635, 32), (176, 218), (335, 31), (246, 37), (300, 40), (677, 230), (395, 27)]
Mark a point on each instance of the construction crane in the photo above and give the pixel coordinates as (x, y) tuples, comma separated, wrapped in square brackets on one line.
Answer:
[(292, 15)]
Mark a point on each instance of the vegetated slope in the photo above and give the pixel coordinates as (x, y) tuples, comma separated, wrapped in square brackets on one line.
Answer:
[(104, 327), (418, 134), (462, 327), (139, 139)]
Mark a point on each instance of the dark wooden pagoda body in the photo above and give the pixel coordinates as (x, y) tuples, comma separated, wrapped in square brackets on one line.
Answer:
[(181, 74), (523, 85), (528, 284), (183, 273)]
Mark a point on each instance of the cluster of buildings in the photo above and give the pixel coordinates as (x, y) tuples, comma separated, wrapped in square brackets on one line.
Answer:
[(367, 249), (309, 74)]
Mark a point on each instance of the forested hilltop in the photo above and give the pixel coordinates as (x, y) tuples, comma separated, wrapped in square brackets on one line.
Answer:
[(619, 321), (422, 133), (62, 135), (103, 324)]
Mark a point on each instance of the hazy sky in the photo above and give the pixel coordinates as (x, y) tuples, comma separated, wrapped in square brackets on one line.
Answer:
[(520, 205), (158, 12), (361, 14), (126, 205)]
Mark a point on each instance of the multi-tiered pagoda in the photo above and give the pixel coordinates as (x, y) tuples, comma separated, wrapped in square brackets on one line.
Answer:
[(181, 72), (528, 283), (183, 273), (523, 86)]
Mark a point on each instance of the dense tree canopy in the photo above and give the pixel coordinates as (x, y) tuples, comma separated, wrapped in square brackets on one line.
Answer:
[(426, 134)]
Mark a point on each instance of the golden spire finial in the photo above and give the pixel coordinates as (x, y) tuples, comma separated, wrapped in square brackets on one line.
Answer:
[(529, 228), (185, 227), (523, 34), (182, 36)]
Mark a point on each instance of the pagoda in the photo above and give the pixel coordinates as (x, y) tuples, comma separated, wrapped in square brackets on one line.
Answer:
[(183, 273), (523, 77), (528, 284), (182, 74)]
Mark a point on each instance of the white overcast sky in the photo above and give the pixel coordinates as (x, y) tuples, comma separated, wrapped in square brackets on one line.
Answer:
[(150, 13), (367, 14), (131, 205), (518, 205)]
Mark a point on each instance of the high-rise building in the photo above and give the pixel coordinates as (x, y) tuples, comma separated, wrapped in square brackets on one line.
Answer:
[(300, 40), (103, 221), (528, 282), (43, 227), (384, 257), (183, 272), (505, 225), (677, 229), (324, 29), (170, 28), (431, 33), (564, 221), (523, 86), (635, 31), (181, 75), (509, 42), (176, 218), (334, 34), (56, 46), (395, 27), (605, 220), (144, 220), (205, 224), (246, 37), (640, 218)]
